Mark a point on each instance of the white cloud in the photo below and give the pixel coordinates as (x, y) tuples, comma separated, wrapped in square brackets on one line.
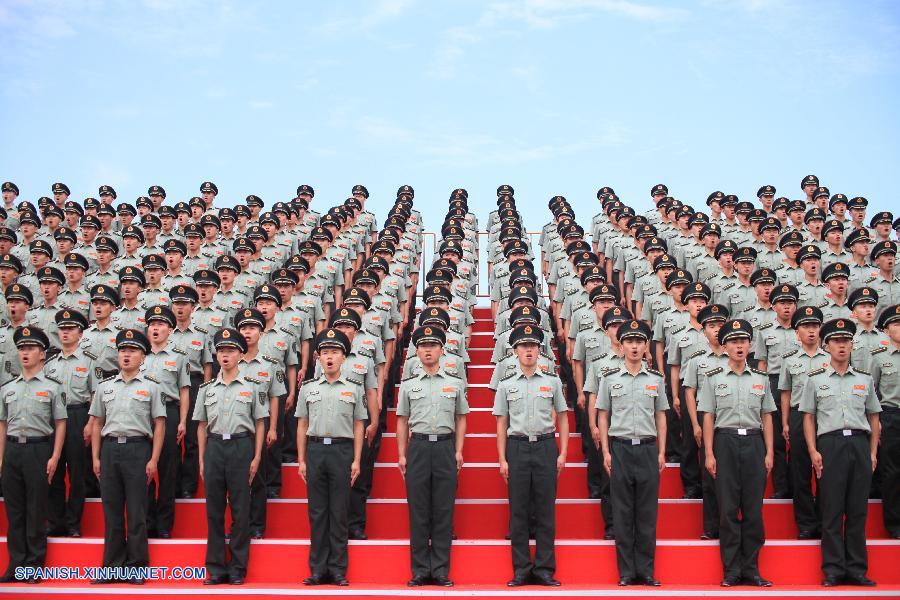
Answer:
[(380, 12), (261, 104)]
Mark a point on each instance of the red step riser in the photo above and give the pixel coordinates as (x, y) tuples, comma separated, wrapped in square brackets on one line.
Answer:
[(482, 341), (481, 421), (595, 564), (479, 375), (476, 449), (483, 325), (677, 521)]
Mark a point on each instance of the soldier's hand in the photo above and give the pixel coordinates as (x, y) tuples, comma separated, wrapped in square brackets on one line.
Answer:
[(816, 459), (459, 461), (289, 403), (354, 471), (504, 471), (676, 404), (200, 464), (371, 430), (401, 464), (595, 435), (301, 471), (580, 402), (150, 470), (88, 430), (271, 437), (254, 467), (661, 459), (711, 466), (560, 464), (51, 468), (769, 462), (698, 434), (786, 432), (180, 433), (97, 469), (874, 459), (607, 462)]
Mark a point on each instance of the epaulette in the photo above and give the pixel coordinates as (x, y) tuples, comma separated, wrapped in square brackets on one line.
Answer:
[(766, 326), (780, 266), (53, 379), (202, 385), (151, 378), (862, 371), (757, 371), (201, 330), (729, 286), (715, 371), (879, 349), (823, 305), (611, 371), (791, 353), (679, 330), (270, 359), (871, 279), (355, 381), (179, 351), (11, 380), (512, 374), (697, 353), (253, 379), (90, 354), (285, 331), (655, 372), (602, 356)]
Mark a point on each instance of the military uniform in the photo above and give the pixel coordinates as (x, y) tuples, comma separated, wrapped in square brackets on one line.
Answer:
[(885, 368), (30, 410)]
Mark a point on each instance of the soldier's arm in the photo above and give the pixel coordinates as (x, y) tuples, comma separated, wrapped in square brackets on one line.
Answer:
[(2, 442)]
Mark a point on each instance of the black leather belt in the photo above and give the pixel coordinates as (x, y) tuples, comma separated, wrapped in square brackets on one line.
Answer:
[(739, 431), (634, 441), (531, 438), (83, 405), (224, 437), (126, 439), (24, 439), (328, 440), (845, 433), (432, 437)]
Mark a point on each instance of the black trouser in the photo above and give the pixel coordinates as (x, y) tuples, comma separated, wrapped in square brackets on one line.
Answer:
[(710, 500), (532, 491), (25, 493), (740, 486), (889, 468), (673, 424), (781, 480), (431, 493), (258, 498), (844, 502), (635, 492), (806, 512), (161, 502), (689, 452), (190, 461), (76, 460), (123, 487), (274, 460), (328, 489), (597, 477), (359, 493), (226, 471)]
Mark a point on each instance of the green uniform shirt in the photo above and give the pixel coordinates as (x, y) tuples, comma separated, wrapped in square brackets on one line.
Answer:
[(772, 343), (529, 402), (795, 369), (31, 406), (885, 367), (632, 401), (267, 371), (231, 408), (99, 344), (839, 401), (331, 408), (737, 401), (128, 407), (701, 364), (75, 374), (170, 368), (195, 342), (864, 342), (432, 402)]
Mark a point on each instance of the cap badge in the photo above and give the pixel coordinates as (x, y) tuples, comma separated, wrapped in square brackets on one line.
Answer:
[(226, 334)]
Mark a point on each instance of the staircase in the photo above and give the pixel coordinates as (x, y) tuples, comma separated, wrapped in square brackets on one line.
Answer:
[(481, 561)]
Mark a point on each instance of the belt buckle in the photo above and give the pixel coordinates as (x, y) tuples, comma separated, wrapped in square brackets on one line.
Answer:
[(636, 442), (432, 437), (121, 439), (22, 439), (226, 436), (532, 437), (742, 431), (847, 432), (326, 441)]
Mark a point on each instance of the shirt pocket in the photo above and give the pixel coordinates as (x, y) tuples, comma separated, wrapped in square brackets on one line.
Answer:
[(755, 396), (448, 401), (211, 404), (723, 396), (79, 384), (516, 401), (346, 404)]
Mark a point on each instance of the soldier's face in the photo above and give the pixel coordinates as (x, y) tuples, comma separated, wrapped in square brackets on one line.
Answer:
[(527, 353), (104, 257), (285, 290), (174, 260), (810, 266), (711, 329), (74, 275), (331, 360), (130, 289), (7, 276), (429, 353), (839, 348), (243, 257), (737, 350), (39, 259), (226, 276), (158, 331), (69, 336), (785, 309), (17, 309), (9, 197), (206, 293), (838, 285), (764, 291), (791, 251), (154, 276), (131, 244), (695, 305), (88, 233), (5, 246), (864, 313), (634, 348), (28, 229), (63, 246), (168, 222), (726, 260), (31, 356), (251, 334), (228, 357), (808, 334), (808, 189), (49, 290), (348, 330), (130, 359), (267, 307), (182, 310), (886, 262), (102, 308), (893, 331)]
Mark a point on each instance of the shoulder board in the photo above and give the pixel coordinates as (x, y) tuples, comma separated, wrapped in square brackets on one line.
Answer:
[(679, 330), (90, 354), (791, 353), (655, 372), (55, 380), (201, 329), (715, 371), (823, 305), (253, 379), (878, 349), (604, 355), (758, 372), (412, 376), (512, 374), (766, 326), (728, 287), (780, 266), (697, 353), (110, 378), (178, 351), (270, 359), (871, 279), (862, 372), (816, 372), (152, 378), (203, 385), (16, 378), (611, 371)]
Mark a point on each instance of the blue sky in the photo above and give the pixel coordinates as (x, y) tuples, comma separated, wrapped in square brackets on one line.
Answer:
[(551, 96)]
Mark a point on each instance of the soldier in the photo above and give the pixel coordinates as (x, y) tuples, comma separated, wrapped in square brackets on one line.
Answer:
[(524, 405), (169, 366), (130, 419), (18, 301), (863, 303), (633, 408), (737, 434), (231, 412), (795, 367), (32, 435), (431, 429), (43, 315), (331, 412), (887, 385), (842, 429), (73, 368)]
